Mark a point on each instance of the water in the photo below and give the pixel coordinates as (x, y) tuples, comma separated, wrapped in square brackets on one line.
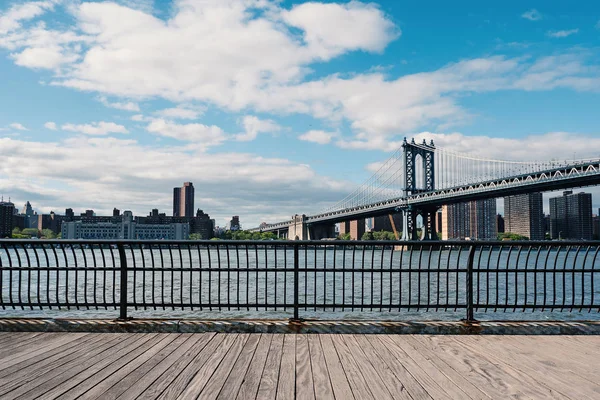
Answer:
[(331, 277)]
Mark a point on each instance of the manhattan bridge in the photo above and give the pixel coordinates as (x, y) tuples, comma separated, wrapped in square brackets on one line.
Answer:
[(419, 178)]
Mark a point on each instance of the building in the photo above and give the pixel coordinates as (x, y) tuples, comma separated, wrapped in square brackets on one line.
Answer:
[(183, 200), (200, 224), (475, 220), (383, 223), (30, 217), (356, 228), (128, 228), (234, 224), (7, 210), (571, 216), (596, 226), (50, 221), (524, 215)]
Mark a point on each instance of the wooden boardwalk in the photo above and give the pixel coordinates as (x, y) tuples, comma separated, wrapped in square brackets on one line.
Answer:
[(278, 366)]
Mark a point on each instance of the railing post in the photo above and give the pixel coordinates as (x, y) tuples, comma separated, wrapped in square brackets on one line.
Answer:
[(123, 290), (469, 284), (296, 284)]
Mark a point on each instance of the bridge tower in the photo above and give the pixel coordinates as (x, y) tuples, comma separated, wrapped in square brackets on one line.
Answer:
[(411, 152)]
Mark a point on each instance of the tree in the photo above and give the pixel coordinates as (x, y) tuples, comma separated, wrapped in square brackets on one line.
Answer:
[(16, 231), (345, 236), (511, 236), (30, 232), (195, 236), (367, 236), (48, 234)]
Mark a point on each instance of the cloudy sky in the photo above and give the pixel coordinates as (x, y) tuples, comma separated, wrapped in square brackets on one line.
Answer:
[(279, 107)]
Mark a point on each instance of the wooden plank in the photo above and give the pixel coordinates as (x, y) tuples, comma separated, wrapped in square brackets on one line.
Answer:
[(174, 381), (77, 378), (320, 374), (534, 363), (43, 371), (249, 388), (358, 383), (337, 375), (43, 381), (287, 371), (116, 371), (125, 380), (209, 384), (46, 360), (236, 376), (305, 388), (392, 382), (14, 338), (376, 385), (267, 388), (412, 386), (26, 355), (528, 386), (555, 377), (452, 382), (490, 378), (27, 343), (171, 366), (195, 380)]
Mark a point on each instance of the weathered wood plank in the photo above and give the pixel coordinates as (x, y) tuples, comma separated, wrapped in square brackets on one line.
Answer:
[(77, 378), (43, 371), (198, 379), (339, 381), (210, 388), (251, 383), (171, 366), (13, 346), (236, 376), (43, 348), (268, 382), (305, 388), (320, 374), (371, 375), (114, 386), (287, 371), (392, 382), (559, 379), (358, 383), (438, 370), (172, 383)]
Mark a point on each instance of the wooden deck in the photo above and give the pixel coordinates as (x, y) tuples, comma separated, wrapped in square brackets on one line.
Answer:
[(321, 366)]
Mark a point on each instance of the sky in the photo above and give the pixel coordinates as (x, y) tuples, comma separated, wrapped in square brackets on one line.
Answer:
[(274, 108)]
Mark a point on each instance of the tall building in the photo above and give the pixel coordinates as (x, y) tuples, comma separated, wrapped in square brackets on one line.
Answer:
[(183, 200), (571, 216), (524, 215), (7, 209), (234, 224), (475, 220), (500, 223)]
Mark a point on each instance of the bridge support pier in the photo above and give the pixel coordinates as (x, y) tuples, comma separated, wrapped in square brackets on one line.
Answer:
[(321, 231), (409, 219)]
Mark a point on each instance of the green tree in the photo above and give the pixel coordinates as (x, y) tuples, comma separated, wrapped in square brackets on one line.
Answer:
[(48, 234), (195, 236), (345, 236), (30, 232), (16, 231), (367, 236), (511, 236)]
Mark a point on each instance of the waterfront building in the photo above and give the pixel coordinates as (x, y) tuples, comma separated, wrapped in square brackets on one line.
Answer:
[(475, 220), (234, 224), (500, 223), (524, 215), (128, 228), (30, 217), (571, 216), (7, 210), (183, 200), (200, 224)]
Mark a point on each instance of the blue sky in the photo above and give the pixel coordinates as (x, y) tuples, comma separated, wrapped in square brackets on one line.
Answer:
[(279, 107)]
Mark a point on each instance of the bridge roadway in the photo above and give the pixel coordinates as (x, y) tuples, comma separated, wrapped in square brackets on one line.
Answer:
[(287, 366), (579, 175)]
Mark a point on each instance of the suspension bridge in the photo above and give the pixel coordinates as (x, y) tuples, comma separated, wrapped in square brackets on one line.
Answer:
[(419, 178)]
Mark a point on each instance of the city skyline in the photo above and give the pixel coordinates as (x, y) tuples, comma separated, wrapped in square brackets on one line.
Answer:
[(291, 121)]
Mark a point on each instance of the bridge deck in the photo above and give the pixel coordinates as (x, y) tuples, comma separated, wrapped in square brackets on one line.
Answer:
[(230, 365)]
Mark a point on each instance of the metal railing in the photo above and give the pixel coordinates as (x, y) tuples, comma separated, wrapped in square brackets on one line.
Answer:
[(298, 277)]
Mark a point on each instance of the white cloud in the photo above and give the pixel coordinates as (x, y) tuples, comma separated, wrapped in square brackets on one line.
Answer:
[(203, 136), (51, 125), (125, 106), (562, 34), (11, 19), (18, 126), (256, 188), (95, 128), (253, 126), (331, 29), (181, 112), (317, 136), (532, 15)]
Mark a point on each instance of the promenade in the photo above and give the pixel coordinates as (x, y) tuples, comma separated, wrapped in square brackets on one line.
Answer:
[(305, 366)]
